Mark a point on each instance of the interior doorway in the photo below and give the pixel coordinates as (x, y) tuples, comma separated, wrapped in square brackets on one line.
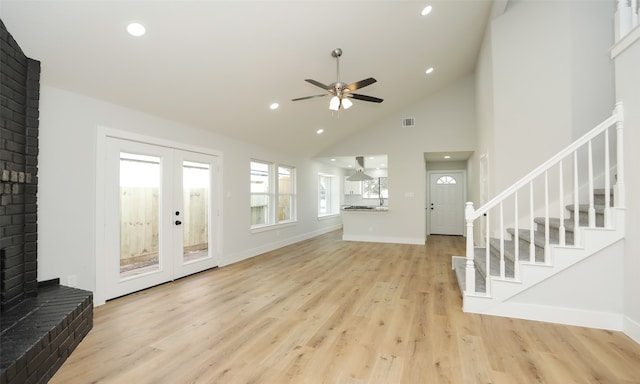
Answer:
[(445, 202)]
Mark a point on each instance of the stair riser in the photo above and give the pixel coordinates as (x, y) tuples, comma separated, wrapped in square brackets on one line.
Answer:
[(554, 233), (599, 199), (495, 264), (584, 218), (539, 252)]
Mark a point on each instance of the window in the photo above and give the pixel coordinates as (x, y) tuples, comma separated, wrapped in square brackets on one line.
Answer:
[(285, 194), (328, 195), (260, 196), (446, 180), (376, 188), (272, 202)]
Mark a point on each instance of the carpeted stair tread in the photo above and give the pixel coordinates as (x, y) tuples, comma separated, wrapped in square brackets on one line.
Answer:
[(599, 196), (585, 208), (509, 250), (539, 239), (554, 222), (554, 228)]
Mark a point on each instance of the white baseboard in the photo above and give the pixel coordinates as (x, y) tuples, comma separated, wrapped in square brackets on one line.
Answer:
[(631, 328), (568, 316), (382, 239), (249, 253)]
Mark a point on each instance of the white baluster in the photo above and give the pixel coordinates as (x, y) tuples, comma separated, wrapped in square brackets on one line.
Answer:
[(592, 209), (501, 242), (576, 201), (532, 246), (470, 269), (516, 241), (607, 187), (561, 229), (487, 259), (546, 216)]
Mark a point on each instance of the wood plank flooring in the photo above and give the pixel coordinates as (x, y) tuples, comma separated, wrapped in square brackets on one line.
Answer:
[(329, 311)]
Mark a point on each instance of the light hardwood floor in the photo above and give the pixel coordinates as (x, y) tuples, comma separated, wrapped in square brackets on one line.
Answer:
[(329, 311)]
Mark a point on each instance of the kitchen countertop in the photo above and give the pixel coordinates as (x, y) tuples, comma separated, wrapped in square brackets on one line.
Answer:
[(365, 208)]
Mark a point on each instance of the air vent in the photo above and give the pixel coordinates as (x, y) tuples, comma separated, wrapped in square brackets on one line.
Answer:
[(408, 122)]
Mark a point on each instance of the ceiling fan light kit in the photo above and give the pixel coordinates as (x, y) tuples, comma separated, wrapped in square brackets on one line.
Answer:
[(341, 92)]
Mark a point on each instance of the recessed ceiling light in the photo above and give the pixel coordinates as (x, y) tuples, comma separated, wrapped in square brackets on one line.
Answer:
[(136, 29), (426, 10), (319, 131), (447, 157), (333, 159), (274, 106), (429, 70)]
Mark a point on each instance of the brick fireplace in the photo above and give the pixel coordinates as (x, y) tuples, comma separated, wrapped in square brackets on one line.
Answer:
[(40, 322)]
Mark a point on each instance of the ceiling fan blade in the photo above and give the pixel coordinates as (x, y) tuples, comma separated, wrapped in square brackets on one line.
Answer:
[(361, 84), (365, 98), (317, 83), (309, 97)]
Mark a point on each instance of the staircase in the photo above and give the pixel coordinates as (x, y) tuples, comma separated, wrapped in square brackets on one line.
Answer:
[(518, 254)]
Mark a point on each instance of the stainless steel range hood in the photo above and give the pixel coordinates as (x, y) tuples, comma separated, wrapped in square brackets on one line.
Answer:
[(359, 175)]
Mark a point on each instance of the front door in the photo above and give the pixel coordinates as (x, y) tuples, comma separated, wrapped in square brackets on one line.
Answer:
[(446, 206), (159, 215)]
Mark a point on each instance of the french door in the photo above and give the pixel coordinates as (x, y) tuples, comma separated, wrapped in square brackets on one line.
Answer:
[(160, 221)]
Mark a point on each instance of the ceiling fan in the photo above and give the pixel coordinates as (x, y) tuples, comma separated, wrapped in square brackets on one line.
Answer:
[(342, 92)]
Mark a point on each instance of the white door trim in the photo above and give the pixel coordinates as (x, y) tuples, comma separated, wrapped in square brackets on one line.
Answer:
[(428, 194), (102, 134)]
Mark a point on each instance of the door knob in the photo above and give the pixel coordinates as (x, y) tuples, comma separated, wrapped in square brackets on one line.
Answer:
[(178, 222)]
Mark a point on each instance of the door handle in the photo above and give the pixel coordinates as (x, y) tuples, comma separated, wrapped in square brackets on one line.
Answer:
[(178, 222)]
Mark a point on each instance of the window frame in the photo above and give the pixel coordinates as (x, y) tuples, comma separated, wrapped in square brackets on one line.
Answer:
[(378, 184), (291, 195), (272, 196), (332, 196)]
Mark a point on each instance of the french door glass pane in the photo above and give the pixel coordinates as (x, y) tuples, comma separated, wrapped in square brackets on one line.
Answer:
[(195, 189), (139, 214)]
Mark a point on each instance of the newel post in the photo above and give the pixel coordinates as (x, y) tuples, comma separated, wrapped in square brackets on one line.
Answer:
[(470, 270), (619, 198)]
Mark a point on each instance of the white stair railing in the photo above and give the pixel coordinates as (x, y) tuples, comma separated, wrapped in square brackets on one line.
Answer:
[(573, 156)]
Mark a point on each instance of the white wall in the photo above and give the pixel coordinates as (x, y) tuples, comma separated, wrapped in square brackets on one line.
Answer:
[(445, 121), (485, 117), (627, 91), (67, 184), (589, 293), (552, 81)]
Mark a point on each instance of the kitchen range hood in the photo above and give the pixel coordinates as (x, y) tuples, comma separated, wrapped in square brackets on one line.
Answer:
[(359, 175)]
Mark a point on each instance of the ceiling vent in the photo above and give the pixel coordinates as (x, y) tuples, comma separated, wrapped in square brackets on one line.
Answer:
[(408, 122)]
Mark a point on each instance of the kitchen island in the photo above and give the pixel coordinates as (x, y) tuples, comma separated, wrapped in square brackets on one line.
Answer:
[(363, 222)]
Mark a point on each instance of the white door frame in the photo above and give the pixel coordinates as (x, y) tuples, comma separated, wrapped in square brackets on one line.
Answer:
[(428, 195), (101, 244)]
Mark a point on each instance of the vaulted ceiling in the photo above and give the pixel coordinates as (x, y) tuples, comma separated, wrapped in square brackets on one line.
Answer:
[(219, 65)]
